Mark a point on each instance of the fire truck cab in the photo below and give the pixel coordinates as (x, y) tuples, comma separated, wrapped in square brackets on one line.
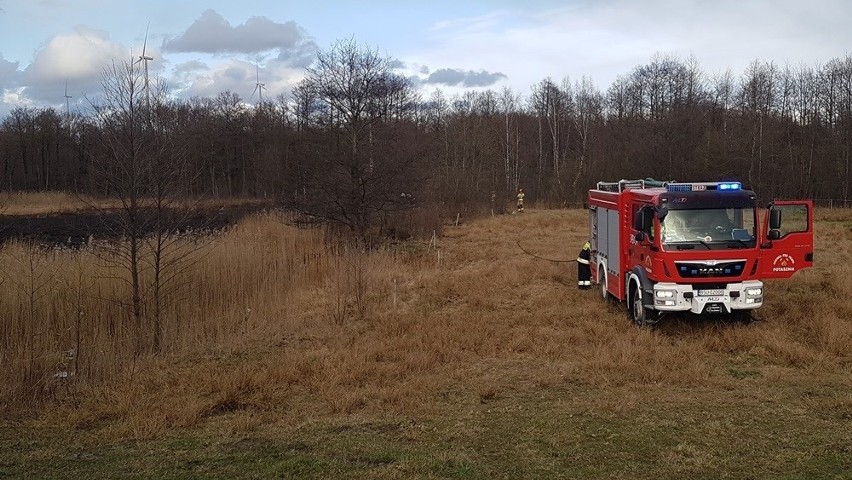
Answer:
[(692, 247)]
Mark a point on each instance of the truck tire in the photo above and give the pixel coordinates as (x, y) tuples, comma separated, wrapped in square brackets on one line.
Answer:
[(638, 312), (602, 282)]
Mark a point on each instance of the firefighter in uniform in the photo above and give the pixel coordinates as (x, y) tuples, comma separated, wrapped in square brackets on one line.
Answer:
[(584, 271), (520, 200)]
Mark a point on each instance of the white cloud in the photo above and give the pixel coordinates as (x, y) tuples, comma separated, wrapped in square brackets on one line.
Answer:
[(598, 38), (604, 39), (8, 71), (13, 98), (190, 66), (212, 33), (464, 78), (241, 77), (80, 55), (78, 58), (532, 46)]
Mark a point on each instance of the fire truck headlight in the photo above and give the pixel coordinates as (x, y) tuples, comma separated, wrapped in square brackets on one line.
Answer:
[(664, 293), (754, 292)]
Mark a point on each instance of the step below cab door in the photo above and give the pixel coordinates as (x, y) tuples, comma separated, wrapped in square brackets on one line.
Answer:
[(787, 238)]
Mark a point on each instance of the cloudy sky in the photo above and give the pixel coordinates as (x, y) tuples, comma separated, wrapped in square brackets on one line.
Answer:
[(206, 47)]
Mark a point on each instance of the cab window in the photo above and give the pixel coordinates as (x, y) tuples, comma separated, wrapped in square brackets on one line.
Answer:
[(794, 218)]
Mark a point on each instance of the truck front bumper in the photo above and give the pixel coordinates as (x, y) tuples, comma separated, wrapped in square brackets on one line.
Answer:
[(673, 297)]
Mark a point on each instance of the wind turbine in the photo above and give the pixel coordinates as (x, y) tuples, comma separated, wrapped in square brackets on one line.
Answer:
[(258, 87), (144, 58), (67, 105)]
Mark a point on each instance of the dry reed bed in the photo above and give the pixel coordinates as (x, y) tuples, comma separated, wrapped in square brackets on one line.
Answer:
[(58, 301), (283, 326)]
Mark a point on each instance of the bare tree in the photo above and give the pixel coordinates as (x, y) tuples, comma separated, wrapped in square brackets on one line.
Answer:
[(551, 105), (360, 169), (757, 97), (588, 110), (509, 103), (145, 168), (125, 170)]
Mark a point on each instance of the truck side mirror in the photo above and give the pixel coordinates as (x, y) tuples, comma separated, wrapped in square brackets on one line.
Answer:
[(637, 221), (774, 234), (661, 213), (640, 236), (774, 219)]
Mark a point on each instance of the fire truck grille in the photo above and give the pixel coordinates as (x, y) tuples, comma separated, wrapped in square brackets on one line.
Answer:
[(701, 270)]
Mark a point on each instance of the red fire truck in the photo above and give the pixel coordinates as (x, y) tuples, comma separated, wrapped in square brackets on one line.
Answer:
[(692, 247)]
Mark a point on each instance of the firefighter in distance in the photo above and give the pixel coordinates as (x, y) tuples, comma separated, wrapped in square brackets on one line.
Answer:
[(584, 271)]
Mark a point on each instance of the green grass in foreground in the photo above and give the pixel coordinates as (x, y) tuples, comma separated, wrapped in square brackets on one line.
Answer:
[(754, 430)]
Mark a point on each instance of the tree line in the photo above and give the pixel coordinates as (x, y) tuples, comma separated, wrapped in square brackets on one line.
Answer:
[(355, 139)]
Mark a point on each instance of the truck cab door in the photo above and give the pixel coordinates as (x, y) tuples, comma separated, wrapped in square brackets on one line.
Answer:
[(642, 239), (787, 239)]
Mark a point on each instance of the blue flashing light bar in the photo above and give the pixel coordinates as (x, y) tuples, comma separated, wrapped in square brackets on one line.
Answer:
[(702, 186)]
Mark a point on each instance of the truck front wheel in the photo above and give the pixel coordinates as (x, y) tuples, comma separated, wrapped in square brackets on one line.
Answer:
[(638, 312)]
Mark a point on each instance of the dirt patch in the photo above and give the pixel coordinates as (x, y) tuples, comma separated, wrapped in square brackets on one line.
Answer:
[(75, 229)]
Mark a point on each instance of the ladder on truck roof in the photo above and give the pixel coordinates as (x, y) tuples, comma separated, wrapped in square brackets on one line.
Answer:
[(622, 185)]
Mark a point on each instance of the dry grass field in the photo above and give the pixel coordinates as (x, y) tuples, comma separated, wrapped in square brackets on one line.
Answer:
[(289, 355)]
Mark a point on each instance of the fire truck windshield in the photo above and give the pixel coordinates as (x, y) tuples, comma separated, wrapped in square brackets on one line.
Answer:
[(712, 227)]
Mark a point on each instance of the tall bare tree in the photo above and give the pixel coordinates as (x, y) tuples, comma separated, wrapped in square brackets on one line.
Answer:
[(124, 171), (588, 112), (145, 168), (361, 168)]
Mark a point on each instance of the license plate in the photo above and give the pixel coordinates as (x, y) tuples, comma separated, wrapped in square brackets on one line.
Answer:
[(710, 293)]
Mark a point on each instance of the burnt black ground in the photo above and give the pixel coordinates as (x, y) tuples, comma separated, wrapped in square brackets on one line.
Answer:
[(75, 229)]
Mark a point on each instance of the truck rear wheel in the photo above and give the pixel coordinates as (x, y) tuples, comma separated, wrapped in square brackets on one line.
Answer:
[(602, 282)]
